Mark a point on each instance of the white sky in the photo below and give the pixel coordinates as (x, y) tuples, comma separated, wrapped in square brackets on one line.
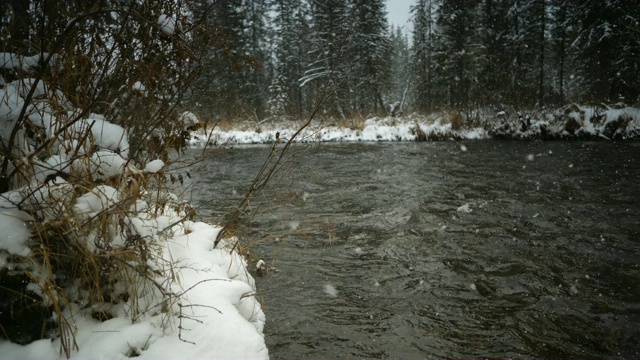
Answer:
[(398, 12)]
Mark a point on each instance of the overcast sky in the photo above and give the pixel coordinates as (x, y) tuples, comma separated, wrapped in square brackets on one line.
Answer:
[(398, 12)]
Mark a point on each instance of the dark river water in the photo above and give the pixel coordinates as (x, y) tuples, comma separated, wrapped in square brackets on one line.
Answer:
[(425, 250)]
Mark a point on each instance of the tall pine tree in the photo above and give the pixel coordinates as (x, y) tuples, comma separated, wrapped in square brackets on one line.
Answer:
[(327, 71), (609, 49), (290, 37), (400, 68), (423, 68), (368, 53), (457, 48)]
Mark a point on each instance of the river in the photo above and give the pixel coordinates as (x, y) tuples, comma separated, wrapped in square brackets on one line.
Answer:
[(442, 249)]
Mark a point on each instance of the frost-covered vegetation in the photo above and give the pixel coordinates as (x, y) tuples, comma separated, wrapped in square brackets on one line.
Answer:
[(99, 256), (570, 122)]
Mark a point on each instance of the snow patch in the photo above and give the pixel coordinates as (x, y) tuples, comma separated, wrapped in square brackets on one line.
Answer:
[(167, 24), (15, 232), (224, 319), (138, 86), (100, 198), (189, 119), (153, 166)]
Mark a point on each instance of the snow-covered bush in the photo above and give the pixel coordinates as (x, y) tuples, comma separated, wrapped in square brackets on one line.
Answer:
[(84, 206), (569, 122)]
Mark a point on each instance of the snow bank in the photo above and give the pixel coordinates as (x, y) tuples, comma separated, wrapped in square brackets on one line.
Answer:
[(571, 122), (216, 315), (376, 129), (568, 122)]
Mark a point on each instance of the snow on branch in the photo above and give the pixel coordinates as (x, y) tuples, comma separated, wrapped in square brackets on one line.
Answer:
[(14, 61)]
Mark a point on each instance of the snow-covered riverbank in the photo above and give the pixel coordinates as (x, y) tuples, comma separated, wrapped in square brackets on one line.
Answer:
[(571, 122), (215, 316), (99, 260)]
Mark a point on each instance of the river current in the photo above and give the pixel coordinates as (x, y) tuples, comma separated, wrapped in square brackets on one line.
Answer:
[(442, 249)]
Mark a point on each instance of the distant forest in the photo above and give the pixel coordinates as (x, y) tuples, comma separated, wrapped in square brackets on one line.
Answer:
[(257, 59), (281, 57)]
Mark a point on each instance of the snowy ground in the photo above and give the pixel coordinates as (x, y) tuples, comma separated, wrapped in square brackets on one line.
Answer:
[(569, 122), (217, 315)]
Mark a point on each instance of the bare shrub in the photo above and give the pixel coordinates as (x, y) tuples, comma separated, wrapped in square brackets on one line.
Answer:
[(420, 135), (90, 99), (457, 120)]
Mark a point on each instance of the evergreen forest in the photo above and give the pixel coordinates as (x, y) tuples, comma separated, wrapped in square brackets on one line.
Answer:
[(282, 57)]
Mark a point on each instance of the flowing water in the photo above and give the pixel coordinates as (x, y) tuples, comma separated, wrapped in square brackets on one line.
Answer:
[(425, 250)]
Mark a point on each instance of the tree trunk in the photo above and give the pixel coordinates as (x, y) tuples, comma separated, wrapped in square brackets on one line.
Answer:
[(562, 49), (19, 28), (542, 29)]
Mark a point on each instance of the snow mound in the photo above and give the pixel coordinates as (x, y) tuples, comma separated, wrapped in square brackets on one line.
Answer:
[(139, 87), (163, 289), (217, 315), (97, 200), (189, 119), (15, 230), (25, 63), (153, 166)]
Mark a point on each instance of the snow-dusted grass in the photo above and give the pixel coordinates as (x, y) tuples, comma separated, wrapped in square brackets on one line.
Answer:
[(374, 129), (598, 122)]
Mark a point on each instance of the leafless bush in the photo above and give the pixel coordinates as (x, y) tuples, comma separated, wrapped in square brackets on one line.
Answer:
[(89, 95)]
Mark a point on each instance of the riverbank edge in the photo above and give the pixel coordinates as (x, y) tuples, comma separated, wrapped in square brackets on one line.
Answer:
[(572, 123)]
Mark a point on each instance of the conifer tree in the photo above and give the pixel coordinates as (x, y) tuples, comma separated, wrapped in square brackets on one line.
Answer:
[(456, 49), (290, 35), (609, 49), (233, 81), (368, 52), (424, 31), (526, 47), (400, 68), (494, 59), (327, 71), (562, 30)]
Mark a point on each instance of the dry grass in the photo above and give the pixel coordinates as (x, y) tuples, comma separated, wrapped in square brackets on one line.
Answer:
[(98, 262), (355, 123), (420, 135), (457, 120)]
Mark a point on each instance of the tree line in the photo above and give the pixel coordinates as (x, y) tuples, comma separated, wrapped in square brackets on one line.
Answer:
[(524, 53), (283, 57), (273, 58)]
